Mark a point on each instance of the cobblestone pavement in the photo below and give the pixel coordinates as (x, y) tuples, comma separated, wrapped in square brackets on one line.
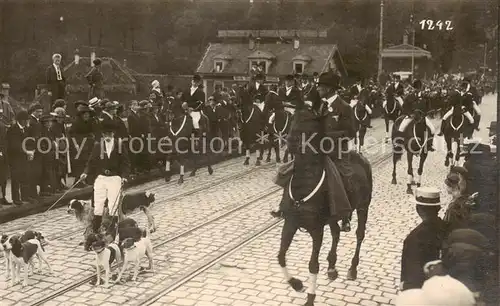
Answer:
[(177, 254)]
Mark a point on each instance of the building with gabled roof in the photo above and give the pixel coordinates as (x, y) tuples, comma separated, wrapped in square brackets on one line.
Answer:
[(278, 52), (398, 59)]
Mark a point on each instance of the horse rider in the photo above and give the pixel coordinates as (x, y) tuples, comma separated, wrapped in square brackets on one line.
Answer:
[(315, 79), (195, 100), (339, 127), (272, 102), (356, 89), (397, 89), (417, 101), (306, 85), (465, 100), (156, 95), (291, 95), (257, 89), (359, 93)]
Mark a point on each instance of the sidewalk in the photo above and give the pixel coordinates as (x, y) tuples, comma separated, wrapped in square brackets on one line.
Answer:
[(12, 212)]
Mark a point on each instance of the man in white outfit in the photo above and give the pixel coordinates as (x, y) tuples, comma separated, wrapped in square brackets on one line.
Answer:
[(109, 164)]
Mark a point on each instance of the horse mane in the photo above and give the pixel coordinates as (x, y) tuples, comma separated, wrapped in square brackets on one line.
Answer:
[(305, 123)]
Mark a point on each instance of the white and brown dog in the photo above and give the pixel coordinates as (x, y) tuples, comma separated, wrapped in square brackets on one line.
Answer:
[(22, 254), (105, 256), (5, 248), (134, 251)]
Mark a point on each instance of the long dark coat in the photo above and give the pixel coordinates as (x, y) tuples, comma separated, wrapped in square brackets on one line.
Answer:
[(82, 134), (422, 245)]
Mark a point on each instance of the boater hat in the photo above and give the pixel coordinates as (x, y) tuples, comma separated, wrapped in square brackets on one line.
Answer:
[(427, 196)]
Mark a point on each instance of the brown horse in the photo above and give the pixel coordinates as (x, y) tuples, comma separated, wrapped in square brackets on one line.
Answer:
[(306, 201), (277, 132)]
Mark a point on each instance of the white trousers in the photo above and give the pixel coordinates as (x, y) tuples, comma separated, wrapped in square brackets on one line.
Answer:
[(271, 118), (406, 121), (196, 119), (107, 187), (466, 114)]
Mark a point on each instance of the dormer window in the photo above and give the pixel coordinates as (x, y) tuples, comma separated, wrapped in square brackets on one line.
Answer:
[(219, 66), (221, 61), (300, 62), (259, 66), (261, 59), (298, 68)]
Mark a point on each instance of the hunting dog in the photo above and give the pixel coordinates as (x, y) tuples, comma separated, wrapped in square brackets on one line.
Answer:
[(134, 251), (22, 254), (84, 213), (105, 256)]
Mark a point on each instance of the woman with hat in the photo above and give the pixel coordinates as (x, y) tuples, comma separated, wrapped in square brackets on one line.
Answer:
[(423, 244), (49, 185), (82, 133), (95, 79), (459, 209)]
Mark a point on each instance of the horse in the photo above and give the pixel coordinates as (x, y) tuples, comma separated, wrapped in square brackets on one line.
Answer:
[(306, 201), (414, 140), (277, 131), (392, 111), (361, 123), (454, 131), (251, 126), (201, 138)]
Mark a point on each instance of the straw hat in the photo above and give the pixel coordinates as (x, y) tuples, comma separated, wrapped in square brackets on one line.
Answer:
[(427, 196)]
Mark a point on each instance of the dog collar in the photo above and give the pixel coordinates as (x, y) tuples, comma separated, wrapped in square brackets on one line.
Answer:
[(99, 251)]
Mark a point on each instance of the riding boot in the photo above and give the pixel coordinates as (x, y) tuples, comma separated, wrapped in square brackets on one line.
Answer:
[(279, 213), (441, 129), (112, 227), (369, 121), (430, 144)]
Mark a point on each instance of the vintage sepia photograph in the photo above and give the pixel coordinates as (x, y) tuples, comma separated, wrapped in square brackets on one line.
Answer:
[(249, 153)]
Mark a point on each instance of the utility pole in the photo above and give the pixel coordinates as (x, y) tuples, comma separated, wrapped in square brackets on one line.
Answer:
[(380, 40), (413, 42), (485, 54)]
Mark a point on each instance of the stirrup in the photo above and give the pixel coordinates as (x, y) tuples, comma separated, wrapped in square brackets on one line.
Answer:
[(277, 214)]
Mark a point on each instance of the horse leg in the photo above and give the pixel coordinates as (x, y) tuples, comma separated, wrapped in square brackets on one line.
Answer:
[(332, 255), (260, 153), (409, 157), (387, 122), (167, 174), (317, 238), (362, 134), (458, 151), (207, 148), (449, 150), (352, 273), (287, 233), (181, 171), (277, 146), (395, 158), (269, 149), (420, 170), (355, 140)]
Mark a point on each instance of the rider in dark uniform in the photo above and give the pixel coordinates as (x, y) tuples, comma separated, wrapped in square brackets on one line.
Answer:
[(291, 95)]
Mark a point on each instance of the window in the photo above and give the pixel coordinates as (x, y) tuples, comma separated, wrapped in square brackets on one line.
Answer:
[(219, 66), (218, 83), (259, 66), (298, 68)]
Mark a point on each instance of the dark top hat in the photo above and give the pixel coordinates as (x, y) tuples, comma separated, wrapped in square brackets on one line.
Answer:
[(34, 106), (83, 109), (97, 62), (315, 74), (22, 115), (196, 78), (108, 105), (417, 84), (329, 79), (81, 102), (452, 179), (144, 104), (305, 76), (459, 170), (289, 78), (466, 80)]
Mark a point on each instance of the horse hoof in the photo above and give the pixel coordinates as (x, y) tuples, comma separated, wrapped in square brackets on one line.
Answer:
[(418, 184), (180, 181), (193, 173), (394, 182), (278, 160), (285, 160), (258, 163), (352, 274), (310, 299), (268, 160), (409, 191), (446, 163), (246, 163), (296, 284), (167, 179), (333, 274), (210, 170)]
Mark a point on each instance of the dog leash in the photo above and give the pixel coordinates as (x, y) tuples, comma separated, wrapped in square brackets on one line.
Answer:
[(64, 194)]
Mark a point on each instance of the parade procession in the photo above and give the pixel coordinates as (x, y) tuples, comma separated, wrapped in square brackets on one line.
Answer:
[(253, 153)]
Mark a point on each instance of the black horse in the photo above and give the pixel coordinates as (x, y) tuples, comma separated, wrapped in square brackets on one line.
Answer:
[(454, 130), (361, 123), (415, 140), (392, 111), (251, 124), (306, 200), (277, 131)]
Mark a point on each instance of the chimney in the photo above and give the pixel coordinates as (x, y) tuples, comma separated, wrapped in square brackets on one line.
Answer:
[(125, 63), (5, 90), (77, 56), (92, 58), (251, 42), (296, 42), (405, 39)]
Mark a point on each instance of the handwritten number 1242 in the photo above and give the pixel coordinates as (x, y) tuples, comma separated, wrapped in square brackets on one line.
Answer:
[(428, 24)]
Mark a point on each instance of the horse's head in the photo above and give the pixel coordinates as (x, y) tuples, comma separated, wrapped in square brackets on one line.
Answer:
[(418, 115), (305, 133)]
